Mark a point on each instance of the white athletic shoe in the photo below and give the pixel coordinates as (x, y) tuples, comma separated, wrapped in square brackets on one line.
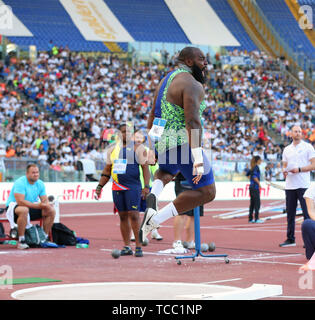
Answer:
[(22, 246), (178, 247), (177, 244), (156, 235), (147, 224)]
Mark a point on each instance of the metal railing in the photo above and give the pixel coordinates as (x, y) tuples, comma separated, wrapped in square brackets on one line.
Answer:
[(13, 168), (223, 170)]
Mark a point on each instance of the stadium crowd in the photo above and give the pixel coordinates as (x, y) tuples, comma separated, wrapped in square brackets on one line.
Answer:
[(64, 106)]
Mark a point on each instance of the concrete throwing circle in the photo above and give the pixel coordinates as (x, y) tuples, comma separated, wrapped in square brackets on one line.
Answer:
[(124, 291)]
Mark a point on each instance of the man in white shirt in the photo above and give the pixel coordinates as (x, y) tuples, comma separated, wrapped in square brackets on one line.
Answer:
[(308, 226), (298, 160)]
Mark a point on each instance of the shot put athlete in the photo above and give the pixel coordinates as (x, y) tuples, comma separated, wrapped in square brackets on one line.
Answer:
[(176, 130)]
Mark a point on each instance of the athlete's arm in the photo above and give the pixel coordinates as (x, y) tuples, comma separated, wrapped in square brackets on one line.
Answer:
[(193, 95), (20, 200), (151, 114), (44, 199), (146, 177), (142, 159), (105, 175)]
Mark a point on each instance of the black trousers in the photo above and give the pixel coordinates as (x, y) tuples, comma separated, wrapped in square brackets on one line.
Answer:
[(254, 203), (292, 196)]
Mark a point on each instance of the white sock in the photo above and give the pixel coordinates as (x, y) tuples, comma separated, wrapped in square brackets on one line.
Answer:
[(157, 187), (164, 214), (21, 238)]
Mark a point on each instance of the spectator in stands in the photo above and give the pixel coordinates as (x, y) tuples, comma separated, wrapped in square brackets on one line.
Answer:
[(278, 172), (10, 152), (71, 90), (43, 160), (23, 203)]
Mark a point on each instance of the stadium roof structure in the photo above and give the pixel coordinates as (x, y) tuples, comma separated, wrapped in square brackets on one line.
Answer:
[(87, 25)]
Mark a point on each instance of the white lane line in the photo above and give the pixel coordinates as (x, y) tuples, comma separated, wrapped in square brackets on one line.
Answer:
[(254, 259), (220, 281), (224, 209), (273, 257), (294, 297)]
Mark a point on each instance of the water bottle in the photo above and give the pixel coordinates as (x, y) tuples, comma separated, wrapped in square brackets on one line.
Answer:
[(13, 242), (82, 245)]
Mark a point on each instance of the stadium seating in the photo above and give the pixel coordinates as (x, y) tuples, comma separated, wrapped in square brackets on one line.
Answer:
[(280, 16), (228, 17), (48, 20), (149, 20)]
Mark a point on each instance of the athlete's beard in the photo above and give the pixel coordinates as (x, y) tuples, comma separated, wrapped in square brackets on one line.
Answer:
[(197, 73)]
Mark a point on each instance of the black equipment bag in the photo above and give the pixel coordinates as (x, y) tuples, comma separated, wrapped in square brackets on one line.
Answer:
[(61, 234)]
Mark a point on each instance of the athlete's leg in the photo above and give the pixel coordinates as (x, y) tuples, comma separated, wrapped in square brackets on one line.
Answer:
[(135, 225), (201, 194), (119, 198), (166, 172), (21, 221), (190, 229), (132, 203), (161, 178), (48, 216), (191, 199), (179, 225), (125, 227)]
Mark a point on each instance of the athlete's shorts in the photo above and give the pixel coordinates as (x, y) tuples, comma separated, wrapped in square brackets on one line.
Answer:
[(127, 200), (180, 159), (35, 214)]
